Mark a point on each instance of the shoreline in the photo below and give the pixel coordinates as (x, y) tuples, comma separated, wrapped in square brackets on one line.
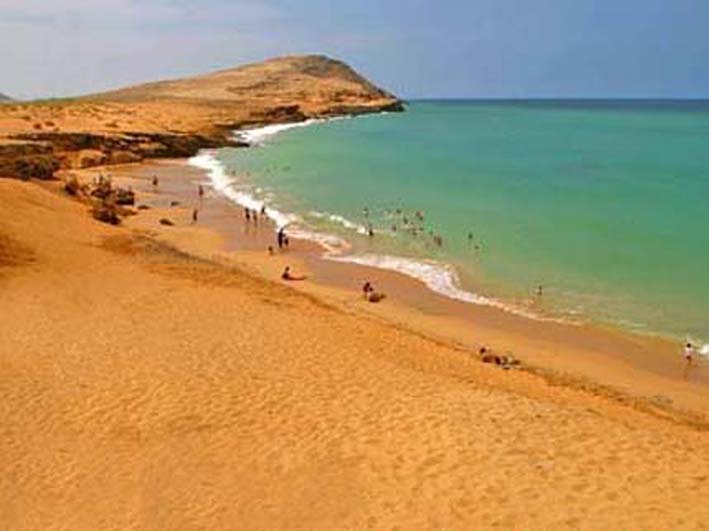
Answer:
[(442, 277), (153, 379), (603, 359)]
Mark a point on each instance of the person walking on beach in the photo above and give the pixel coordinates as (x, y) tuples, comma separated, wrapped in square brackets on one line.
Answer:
[(689, 353), (280, 237), (367, 289), (247, 214), (155, 181), (200, 193), (194, 215), (688, 357)]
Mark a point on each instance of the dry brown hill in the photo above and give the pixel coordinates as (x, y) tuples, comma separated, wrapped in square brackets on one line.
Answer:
[(178, 117)]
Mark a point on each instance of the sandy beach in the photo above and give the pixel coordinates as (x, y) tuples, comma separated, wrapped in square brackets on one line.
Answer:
[(160, 377), (645, 368)]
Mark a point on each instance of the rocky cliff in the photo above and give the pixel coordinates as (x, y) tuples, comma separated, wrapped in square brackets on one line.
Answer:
[(176, 118)]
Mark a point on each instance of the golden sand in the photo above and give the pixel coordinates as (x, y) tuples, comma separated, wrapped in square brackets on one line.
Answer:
[(144, 387)]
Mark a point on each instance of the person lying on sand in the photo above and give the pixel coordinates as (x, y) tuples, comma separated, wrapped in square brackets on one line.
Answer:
[(287, 275)]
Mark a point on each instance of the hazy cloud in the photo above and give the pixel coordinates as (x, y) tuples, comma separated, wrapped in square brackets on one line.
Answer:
[(507, 48)]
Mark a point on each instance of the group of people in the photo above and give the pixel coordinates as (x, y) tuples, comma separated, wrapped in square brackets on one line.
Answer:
[(251, 214), (414, 224)]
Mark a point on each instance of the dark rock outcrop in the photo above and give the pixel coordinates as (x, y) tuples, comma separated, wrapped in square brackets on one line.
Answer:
[(39, 155)]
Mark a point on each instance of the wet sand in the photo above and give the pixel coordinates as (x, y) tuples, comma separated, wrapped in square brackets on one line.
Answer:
[(150, 379), (644, 368)]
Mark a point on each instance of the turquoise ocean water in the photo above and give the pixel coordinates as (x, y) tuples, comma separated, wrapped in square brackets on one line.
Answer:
[(603, 203)]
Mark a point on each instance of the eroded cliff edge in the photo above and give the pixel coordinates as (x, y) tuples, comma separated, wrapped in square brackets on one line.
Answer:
[(176, 118)]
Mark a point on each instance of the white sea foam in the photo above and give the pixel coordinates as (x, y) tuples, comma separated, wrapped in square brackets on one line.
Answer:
[(439, 277), (225, 185), (340, 220), (258, 135)]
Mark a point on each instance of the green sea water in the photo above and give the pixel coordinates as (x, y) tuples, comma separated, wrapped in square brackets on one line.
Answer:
[(603, 203)]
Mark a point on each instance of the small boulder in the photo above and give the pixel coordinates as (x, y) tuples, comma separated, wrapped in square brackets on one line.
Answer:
[(106, 213), (165, 221), (72, 186), (124, 196)]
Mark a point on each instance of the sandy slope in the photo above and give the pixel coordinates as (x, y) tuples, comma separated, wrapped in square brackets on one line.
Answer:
[(177, 117), (144, 389)]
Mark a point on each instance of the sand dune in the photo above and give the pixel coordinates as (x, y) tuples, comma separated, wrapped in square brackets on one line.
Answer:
[(142, 388)]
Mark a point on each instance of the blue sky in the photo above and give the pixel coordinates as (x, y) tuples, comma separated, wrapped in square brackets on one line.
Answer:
[(416, 48)]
